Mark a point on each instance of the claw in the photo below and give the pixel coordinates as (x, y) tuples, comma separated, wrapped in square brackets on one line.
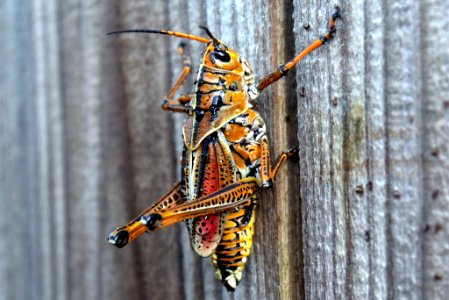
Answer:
[(336, 14), (120, 239), (268, 184)]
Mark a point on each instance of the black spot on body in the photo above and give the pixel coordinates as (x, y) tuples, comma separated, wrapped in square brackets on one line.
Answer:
[(217, 103), (234, 86)]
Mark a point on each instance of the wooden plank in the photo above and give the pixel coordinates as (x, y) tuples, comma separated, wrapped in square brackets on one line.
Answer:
[(404, 187), (375, 187), (51, 172), (353, 227), (145, 82), (281, 114), (19, 147), (90, 99), (10, 262), (322, 135), (435, 151)]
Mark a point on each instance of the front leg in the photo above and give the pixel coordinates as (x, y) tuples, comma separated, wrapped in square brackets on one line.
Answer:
[(178, 105), (283, 69), (124, 235)]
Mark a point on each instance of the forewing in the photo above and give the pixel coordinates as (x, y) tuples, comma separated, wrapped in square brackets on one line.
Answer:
[(207, 232), (219, 171)]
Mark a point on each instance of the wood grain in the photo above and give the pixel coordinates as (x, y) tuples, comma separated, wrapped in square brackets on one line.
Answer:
[(85, 147)]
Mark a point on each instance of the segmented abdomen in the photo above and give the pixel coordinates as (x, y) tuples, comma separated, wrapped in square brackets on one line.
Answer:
[(231, 254), (243, 135)]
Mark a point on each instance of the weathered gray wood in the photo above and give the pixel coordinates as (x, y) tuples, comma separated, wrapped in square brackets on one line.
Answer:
[(334, 164), (403, 141), (84, 147), (435, 149)]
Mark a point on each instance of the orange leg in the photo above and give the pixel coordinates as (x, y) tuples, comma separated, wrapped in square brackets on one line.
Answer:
[(225, 199), (283, 158), (124, 235), (267, 173), (178, 105), (283, 69)]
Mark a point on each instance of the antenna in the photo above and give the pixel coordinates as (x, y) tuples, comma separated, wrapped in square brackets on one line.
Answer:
[(216, 41), (167, 32)]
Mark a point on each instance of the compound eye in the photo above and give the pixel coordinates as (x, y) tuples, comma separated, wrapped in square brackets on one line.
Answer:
[(222, 56)]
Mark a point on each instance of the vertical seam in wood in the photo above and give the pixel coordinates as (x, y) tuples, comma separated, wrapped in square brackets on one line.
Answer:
[(387, 160), (367, 149), (292, 106), (64, 146), (346, 165), (422, 169), (332, 203), (331, 179), (418, 119)]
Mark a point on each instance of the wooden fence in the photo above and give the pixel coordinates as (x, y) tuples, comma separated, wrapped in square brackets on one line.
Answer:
[(85, 147)]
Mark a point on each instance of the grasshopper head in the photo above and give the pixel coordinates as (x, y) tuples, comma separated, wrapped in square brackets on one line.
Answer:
[(219, 56)]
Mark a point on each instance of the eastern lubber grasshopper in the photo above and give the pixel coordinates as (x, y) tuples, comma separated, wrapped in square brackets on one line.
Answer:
[(225, 157)]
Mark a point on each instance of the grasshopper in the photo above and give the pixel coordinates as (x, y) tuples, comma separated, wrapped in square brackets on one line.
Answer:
[(225, 156)]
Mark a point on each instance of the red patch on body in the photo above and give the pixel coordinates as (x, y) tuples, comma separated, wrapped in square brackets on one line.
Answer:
[(207, 230), (207, 225)]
